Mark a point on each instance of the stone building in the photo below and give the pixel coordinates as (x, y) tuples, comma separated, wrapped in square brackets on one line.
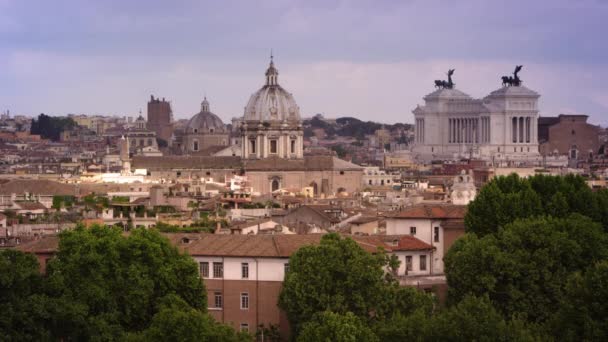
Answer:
[(569, 135), (500, 127), (272, 154), (271, 125), (204, 130), (160, 118)]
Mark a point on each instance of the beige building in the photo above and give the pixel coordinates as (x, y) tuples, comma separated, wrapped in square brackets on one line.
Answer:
[(204, 130), (272, 155)]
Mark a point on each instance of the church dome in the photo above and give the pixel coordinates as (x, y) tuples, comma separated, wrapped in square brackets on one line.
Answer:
[(272, 102), (205, 121)]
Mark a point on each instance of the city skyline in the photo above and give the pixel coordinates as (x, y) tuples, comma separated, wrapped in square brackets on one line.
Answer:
[(367, 59)]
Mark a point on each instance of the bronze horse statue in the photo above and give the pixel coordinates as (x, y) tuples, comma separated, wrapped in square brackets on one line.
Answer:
[(513, 80), (446, 84)]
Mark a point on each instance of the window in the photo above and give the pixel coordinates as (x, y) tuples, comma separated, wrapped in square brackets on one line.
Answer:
[(412, 230), (204, 269), (408, 263), (244, 301), (436, 234), (245, 270), (218, 270), (341, 172), (252, 146), (286, 268), (273, 146), (370, 182), (293, 146), (423, 262), (218, 300), (195, 145), (244, 327)]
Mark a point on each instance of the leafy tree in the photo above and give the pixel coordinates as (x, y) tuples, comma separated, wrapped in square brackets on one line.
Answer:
[(178, 321), (583, 312), (329, 326), (51, 127), (523, 268), (22, 307), (505, 199), (106, 283), (339, 276)]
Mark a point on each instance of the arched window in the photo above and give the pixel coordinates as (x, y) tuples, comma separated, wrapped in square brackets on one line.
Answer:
[(274, 185)]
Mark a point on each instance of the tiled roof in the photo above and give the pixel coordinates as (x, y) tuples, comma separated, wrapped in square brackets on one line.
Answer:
[(36, 186), (46, 244), (269, 246), (30, 205), (433, 211)]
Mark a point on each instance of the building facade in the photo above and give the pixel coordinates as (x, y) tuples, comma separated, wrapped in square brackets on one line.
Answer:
[(569, 135), (500, 127), (271, 125), (204, 130), (160, 118)]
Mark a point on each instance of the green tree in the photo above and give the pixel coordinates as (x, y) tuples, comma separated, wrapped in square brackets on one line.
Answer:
[(329, 326), (475, 319), (524, 267), (22, 305), (106, 283), (51, 127), (583, 312), (339, 276), (178, 321), (505, 199)]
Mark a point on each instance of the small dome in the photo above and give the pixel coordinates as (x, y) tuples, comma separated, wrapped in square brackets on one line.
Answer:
[(272, 102), (205, 121)]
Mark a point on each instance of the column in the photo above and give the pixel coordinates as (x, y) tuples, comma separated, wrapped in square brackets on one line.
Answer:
[(449, 130)]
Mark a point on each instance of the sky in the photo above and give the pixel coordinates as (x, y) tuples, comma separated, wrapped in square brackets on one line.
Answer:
[(373, 60)]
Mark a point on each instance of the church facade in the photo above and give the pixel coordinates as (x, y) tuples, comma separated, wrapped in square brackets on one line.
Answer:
[(501, 127), (271, 151)]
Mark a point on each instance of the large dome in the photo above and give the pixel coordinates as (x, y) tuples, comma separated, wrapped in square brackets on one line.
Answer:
[(272, 102), (205, 121)]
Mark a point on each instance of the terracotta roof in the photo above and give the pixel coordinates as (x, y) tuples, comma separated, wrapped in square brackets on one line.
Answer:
[(433, 211), (46, 244), (36, 186), (270, 246), (404, 242)]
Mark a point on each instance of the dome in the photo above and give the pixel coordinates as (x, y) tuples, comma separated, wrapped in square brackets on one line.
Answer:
[(205, 121), (272, 102)]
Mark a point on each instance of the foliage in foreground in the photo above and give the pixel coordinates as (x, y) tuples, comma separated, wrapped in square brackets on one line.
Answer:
[(105, 286)]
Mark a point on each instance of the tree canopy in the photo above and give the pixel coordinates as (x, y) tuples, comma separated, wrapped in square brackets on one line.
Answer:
[(524, 267), (50, 127), (103, 285), (505, 199), (339, 276)]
